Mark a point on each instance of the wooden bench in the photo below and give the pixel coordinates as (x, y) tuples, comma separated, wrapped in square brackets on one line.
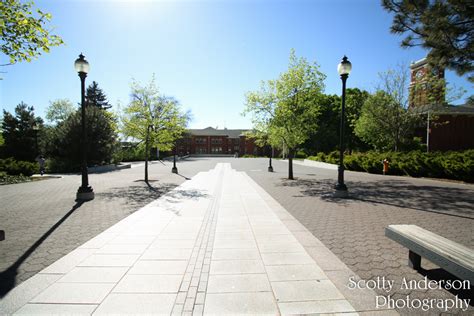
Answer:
[(452, 257)]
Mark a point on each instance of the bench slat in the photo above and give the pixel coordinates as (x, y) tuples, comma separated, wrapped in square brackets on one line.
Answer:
[(453, 257), (456, 252)]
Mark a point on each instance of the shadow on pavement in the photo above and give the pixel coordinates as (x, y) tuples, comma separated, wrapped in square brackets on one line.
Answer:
[(462, 290), (186, 178), (8, 276), (138, 195), (451, 201), (186, 194)]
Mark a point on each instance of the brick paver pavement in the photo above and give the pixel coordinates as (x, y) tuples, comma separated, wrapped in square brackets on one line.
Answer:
[(353, 229), (42, 221), (216, 245)]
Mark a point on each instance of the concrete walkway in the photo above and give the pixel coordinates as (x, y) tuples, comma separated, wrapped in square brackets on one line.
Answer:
[(217, 244)]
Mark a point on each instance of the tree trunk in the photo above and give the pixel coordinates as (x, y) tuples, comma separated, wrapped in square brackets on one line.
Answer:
[(290, 164), (146, 155), (349, 144)]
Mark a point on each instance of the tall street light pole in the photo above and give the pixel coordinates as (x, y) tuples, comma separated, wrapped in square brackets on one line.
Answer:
[(85, 192), (344, 68), (36, 129)]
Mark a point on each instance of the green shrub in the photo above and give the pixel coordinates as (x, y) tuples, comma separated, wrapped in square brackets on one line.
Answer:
[(9, 179), (319, 157), (134, 153), (449, 165), (332, 157), (354, 162), (13, 167), (57, 165), (300, 154), (457, 165)]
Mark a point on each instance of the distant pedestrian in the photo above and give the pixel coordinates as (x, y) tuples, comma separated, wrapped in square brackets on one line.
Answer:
[(41, 162)]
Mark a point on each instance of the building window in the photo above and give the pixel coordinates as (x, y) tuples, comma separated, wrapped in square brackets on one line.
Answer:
[(200, 140), (216, 141), (216, 150), (201, 150)]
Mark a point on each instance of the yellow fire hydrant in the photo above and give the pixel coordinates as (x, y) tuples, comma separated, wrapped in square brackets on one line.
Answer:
[(386, 164)]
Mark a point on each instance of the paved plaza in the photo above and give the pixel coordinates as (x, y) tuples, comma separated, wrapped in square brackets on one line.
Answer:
[(226, 221)]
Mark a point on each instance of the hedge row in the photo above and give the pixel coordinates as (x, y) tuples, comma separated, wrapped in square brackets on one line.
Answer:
[(457, 165), (14, 167), (9, 179)]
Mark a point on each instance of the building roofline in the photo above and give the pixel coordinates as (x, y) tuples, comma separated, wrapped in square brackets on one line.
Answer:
[(418, 63), (463, 109)]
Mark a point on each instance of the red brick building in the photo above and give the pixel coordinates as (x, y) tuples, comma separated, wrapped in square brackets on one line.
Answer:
[(212, 141), (448, 127)]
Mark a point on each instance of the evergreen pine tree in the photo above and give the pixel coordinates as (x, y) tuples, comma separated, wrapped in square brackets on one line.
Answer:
[(444, 27), (18, 133), (96, 97)]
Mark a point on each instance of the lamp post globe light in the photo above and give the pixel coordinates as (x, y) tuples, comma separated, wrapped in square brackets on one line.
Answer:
[(85, 192), (344, 68)]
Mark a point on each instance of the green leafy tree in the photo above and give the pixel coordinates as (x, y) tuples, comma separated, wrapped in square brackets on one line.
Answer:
[(444, 27), (153, 119), (385, 122), (59, 110), (287, 107), (64, 140), (25, 34), (326, 137), (96, 97), (18, 133), (355, 99)]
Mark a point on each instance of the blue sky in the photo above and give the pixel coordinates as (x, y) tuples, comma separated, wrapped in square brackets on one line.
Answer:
[(206, 54)]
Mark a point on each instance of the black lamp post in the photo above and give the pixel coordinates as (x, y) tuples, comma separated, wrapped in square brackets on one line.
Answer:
[(147, 152), (344, 68), (270, 167), (36, 129), (174, 169), (85, 192)]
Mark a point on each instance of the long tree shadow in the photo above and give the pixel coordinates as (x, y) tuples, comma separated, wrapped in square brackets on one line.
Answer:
[(452, 201), (138, 195), (8, 276)]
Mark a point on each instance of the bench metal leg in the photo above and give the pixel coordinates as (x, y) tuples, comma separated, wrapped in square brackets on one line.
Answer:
[(2, 235), (414, 260)]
